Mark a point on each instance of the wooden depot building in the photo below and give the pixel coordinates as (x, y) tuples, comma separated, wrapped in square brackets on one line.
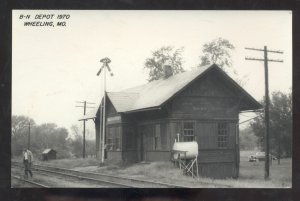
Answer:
[(202, 105)]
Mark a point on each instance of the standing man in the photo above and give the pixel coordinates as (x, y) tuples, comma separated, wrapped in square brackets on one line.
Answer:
[(27, 160)]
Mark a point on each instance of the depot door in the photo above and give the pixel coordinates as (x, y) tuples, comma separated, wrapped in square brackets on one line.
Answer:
[(142, 143)]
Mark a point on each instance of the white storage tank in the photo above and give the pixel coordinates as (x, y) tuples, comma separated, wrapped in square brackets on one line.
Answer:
[(191, 149)]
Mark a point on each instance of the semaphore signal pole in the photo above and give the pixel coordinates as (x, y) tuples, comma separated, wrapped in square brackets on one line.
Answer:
[(267, 102), (105, 65), (84, 111)]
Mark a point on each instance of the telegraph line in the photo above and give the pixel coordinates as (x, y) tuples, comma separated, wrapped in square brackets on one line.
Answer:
[(84, 112), (267, 100)]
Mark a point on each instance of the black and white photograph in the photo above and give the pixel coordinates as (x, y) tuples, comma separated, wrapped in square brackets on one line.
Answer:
[(151, 99)]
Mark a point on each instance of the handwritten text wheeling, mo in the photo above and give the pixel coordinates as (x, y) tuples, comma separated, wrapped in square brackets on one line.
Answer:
[(45, 20)]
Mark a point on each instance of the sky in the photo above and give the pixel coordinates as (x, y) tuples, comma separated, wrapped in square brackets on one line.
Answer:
[(55, 66)]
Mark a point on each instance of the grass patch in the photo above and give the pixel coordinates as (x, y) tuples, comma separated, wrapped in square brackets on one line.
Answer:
[(70, 163)]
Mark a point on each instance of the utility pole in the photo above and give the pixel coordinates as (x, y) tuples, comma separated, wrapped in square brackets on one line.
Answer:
[(28, 143), (84, 112), (105, 65), (267, 102)]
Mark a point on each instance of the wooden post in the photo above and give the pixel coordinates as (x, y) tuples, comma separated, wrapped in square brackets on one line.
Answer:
[(83, 149), (100, 130), (104, 117), (28, 143), (105, 62), (267, 100), (84, 112), (267, 120)]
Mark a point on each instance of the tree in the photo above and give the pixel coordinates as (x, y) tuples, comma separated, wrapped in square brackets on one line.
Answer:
[(247, 139), (155, 63), (49, 135), (20, 123), (280, 125), (218, 51), (76, 142), (41, 137), (20, 131), (90, 147)]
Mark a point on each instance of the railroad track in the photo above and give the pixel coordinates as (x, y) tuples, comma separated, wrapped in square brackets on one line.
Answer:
[(105, 179), (100, 178), (32, 183)]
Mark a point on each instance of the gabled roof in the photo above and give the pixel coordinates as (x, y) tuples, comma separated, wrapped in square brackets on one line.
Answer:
[(46, 151), (154, 94)]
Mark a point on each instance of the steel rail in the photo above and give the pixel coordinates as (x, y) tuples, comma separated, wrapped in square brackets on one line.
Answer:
[(46, 172), (30, 182), (117, 180)]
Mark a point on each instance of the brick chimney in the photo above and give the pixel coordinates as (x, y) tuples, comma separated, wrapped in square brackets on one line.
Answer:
[(168, 71)]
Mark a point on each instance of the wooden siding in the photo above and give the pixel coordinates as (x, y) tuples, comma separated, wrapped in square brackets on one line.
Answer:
[(98, 146), (208, 98), (207, 134), (114, 156), (211, 85), (204, 107), (110, 109), (130, 156), (158, 156), (164, 136)]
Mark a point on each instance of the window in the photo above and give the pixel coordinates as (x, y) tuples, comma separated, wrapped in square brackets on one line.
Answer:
[(113, 139), (109, 145), (117, 144), (157, 137), (188, 131), (222, 135)]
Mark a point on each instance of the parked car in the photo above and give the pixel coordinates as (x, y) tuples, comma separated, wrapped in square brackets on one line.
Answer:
[(251, 158), (259, 156)]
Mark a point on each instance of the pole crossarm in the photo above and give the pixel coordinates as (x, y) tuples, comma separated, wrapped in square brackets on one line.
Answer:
[(273, 51), (275, 60), (84, 102), (84, 106), (257, 59), (249, 58)]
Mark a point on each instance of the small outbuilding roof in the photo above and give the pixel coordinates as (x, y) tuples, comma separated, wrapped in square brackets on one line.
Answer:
[(46, 151)]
